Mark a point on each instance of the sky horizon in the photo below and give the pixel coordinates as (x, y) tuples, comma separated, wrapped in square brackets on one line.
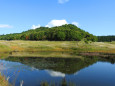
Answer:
[(94, 16)]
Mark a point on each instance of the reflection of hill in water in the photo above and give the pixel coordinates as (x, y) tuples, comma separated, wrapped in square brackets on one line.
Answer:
[(64, 65)]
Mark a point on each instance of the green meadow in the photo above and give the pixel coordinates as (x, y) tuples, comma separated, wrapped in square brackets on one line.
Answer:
[(71, 46)]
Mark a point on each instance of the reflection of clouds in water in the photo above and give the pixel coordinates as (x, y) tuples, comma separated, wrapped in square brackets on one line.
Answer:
[(6, 65), (2, 65), (55, 73), (33, 68), (76, 73)]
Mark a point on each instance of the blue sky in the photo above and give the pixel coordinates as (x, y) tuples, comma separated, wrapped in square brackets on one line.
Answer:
[(94, 16)]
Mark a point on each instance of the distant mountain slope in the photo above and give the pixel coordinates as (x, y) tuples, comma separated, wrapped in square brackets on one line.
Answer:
[(66, 32)]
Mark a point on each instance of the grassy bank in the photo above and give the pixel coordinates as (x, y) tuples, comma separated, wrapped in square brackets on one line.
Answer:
[(3, 82), (35, 46)]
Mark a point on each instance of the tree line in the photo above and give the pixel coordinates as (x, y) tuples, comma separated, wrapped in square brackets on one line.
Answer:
[(106, 38), (66, 32)]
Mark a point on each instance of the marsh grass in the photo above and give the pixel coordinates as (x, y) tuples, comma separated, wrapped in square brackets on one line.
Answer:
[(3, 81), (4, 47), (45, 54), (35, 46), (3, 55)]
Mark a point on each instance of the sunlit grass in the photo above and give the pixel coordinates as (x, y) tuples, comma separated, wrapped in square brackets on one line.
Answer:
[(35, 46)]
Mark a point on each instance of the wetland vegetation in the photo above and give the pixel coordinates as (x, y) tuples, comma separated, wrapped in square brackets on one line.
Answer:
[(72, 46)]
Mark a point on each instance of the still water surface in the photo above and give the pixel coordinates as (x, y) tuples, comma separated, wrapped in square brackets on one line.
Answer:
[(86, 71)]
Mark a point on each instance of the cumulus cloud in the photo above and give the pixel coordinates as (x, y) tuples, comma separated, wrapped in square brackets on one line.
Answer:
[(62, 1), (5, 26), (35, 26), (53, 23), (55, 73), (75, 23)]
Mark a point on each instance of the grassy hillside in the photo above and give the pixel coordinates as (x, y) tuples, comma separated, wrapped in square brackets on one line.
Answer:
[(35, 46)]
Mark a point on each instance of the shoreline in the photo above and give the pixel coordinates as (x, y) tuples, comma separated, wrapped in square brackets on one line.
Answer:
[(3, 81)]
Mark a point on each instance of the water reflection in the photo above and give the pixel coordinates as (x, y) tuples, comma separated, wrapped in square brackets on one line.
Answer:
[(55, 73), (36, 71), (63, 65)]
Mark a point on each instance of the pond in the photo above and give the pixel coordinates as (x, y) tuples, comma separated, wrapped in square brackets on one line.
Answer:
[(37, 71)]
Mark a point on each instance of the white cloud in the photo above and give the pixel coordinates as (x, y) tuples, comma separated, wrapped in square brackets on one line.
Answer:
[(35, 26), (5, 26), (55, 73), (62, 1), (75, 23), (53, 23)]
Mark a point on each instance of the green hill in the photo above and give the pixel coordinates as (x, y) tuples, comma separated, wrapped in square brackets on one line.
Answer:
[(66, 32)]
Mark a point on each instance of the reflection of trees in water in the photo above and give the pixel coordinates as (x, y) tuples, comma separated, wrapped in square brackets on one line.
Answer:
[(63, 65), (104, 58), (60, 66), (108, 59)]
